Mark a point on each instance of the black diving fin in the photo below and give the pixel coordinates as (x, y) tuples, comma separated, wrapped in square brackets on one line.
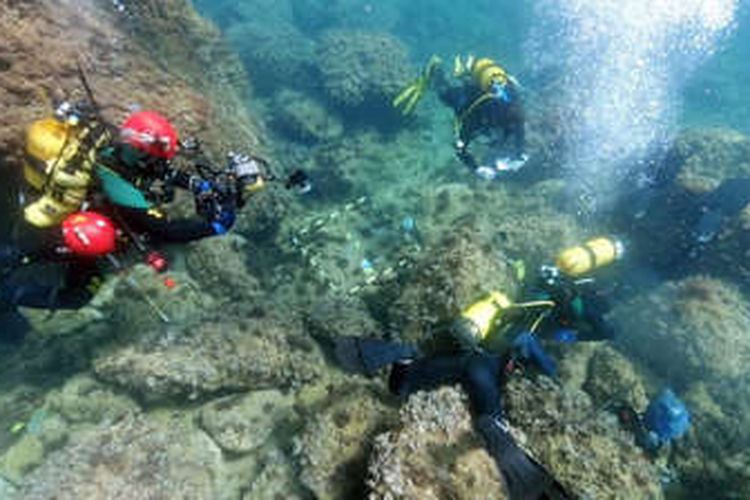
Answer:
[(524, 477), (367, 355)]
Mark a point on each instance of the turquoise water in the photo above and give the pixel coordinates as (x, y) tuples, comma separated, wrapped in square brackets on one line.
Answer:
[(636, 114)]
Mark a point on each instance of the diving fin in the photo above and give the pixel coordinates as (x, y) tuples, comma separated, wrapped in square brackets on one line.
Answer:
[(524, 477), (367, 355)]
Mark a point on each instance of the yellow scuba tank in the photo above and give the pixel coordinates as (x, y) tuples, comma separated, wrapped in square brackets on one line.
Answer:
[(59, 168), (486, 72), (483, 315), (594, 254)]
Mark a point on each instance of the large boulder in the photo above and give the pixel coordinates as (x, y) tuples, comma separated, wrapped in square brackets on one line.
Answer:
[(688, 330), (361, 69), (332, 449), (457, 272), (433, 453), (585, 449), (134, 458), (213, 358)]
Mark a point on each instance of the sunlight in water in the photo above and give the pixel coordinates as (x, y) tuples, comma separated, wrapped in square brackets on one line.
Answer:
[(621, 67)]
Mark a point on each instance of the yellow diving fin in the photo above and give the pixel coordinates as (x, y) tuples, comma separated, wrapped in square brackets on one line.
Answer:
[(408, 98), (461, 67)]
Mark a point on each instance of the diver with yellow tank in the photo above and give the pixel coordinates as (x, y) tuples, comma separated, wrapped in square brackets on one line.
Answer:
[(488, 341), (487, 104), (76, 161)]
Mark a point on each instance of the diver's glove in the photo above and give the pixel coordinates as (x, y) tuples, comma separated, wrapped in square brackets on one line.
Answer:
[(223, 221), (408, 98)]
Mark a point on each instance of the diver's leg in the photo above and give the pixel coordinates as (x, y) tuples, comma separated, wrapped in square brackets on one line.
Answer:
[(425, 374), (75, 293), (366, 355), (524, 478)]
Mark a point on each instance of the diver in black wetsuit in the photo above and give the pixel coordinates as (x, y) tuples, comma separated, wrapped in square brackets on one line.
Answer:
[(130, 176), (486, 102), (492, 336)]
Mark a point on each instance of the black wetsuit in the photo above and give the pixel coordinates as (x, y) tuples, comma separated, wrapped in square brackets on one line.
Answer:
[(498, 119), (77, 278)]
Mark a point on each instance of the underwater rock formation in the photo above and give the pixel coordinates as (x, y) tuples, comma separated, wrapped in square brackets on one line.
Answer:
[(707, 156), (275, 51), (215, 357), (689, 330), (434, 453), (83, 400), (243, 423), (332, 449), (584, 448), (612, 377), (690, 181), (219, 267), (362, 69), (303, 119), (126, 56), (134, 458), (716, 455), (334, 317), (459, 270)]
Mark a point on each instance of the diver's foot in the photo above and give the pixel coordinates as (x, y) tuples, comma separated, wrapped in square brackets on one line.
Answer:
[(486, 173), (511, 164)]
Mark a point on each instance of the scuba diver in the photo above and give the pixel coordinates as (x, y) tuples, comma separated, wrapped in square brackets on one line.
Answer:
[(75, 160), (486, 103), (489, 341)]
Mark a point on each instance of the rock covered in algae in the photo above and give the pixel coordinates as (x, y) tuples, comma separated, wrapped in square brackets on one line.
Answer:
[(331, 451), (304, 119), (584, 449), (614, 377), (333, 317), (85, 400), (688, 330), (134, 458), (213, 358), (219, 266), (457, 272), (715, 455), (434, 453), (275, 51), (44, 433), (705, 157), (144, 301), (124, 55), (240, 424), (361, 68)]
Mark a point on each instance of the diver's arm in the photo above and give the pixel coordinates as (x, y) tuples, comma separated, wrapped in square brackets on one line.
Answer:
[(160, 229)]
